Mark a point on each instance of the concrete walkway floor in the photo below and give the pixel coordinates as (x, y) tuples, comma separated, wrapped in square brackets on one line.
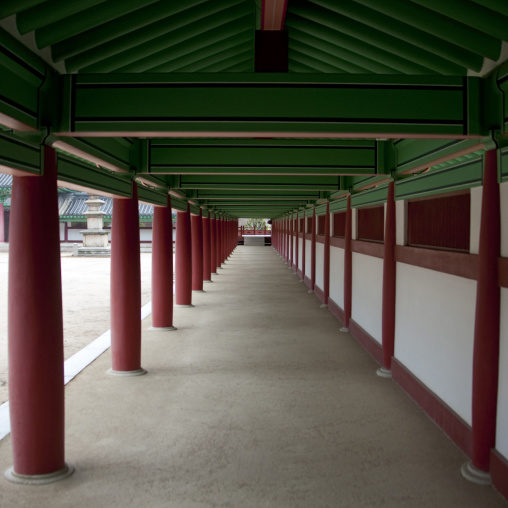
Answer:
[(258, 400)]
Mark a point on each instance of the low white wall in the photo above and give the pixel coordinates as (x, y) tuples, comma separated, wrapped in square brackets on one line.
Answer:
[(145, 235), (367, 293), (320, 253), (62, 231), (502, 398), (74, 235), (337, 275), (300, 243), (434, 332), (308, 257), (476, 207)]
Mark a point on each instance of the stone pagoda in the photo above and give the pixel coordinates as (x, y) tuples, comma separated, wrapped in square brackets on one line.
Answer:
[(95, 238)]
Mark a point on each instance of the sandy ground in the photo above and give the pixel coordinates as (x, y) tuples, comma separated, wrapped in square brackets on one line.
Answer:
[(85, 297)]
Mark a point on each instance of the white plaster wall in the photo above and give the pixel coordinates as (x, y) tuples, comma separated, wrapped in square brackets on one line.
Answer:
[(307, 258), (434, 331), (367, 293), (74, 235), (145, 235), (502, 397), (504, 219), (300, 243), (476, 209), (400, 222), (62, 231), (320, 253), (337, 275)]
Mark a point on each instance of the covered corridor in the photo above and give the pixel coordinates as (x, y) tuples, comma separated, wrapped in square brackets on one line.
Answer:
[(258, 400)]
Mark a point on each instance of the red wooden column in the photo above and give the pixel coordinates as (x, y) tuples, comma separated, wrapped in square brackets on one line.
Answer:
[(304, 248), (207, 265), (348, 267), (287, 239), (197, 251), (213, 244), (35, 336), (326, 258), (291, 240), (218, 224), (313, 253), (2, 223), (162, 268), (183, 260), (297, 241), (126, 287), (487, 329), (389, 270)]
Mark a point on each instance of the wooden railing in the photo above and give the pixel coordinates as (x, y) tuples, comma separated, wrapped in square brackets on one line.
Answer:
[(242, 231)]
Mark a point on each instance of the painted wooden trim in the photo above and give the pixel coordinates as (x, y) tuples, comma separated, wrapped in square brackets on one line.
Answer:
[(499, 472), (320, 238), (336, 310), (337, 242), (502, 266), (373, 249), (444, 416), (371, 345), (452, 263), (319, 293)]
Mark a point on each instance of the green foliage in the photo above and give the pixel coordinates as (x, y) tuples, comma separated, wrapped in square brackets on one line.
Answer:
[(256, 223)]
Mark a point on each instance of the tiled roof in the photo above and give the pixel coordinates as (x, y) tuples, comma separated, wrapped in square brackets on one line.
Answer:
[(5, 180), (74, 207)]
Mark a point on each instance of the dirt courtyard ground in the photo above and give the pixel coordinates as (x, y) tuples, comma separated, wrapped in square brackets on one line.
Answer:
[(85, 298)]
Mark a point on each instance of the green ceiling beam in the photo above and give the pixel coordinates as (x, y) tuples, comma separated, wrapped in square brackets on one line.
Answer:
[(377, 38), (343, 54), (186, 51), (157, 36), (86, 20), (118, 27), (254, 195), (343, 41), (258, 183), (440, 26), (374, 19), (221, 66), (300, 54), (124, 104), (17, 153), (9, 7), (496, 5), (44, 14)]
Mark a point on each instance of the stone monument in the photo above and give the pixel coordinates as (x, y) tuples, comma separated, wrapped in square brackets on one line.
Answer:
[(95, 239)]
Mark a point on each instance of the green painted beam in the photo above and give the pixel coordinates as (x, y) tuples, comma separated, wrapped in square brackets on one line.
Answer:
[(43, 14), (344, 41), (17, 153), (376, 38), (354, 157), (254, 195), (408, 33), (334, 51), (86, 20), (124, 104), (119, 26), (157, 36), (499, 6), (440, 26), (9, 7)]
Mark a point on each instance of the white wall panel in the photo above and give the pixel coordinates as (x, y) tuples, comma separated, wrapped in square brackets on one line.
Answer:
[(320, 253), (434, 331), (307, 258), (476, 208), (502, 399), (337, 275), (367, 293), (300, 253), (61, 226), (145, 235)]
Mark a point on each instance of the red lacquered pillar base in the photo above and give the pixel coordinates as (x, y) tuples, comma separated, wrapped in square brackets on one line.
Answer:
[(197, 252), (183, 260), (487, 330), (126, 288), (162, 268), (35, 343)]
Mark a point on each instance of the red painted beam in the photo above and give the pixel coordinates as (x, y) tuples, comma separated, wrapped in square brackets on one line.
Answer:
[(273, 14)]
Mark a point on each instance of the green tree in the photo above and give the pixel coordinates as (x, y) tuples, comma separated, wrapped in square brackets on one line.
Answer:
[(256, 223)]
